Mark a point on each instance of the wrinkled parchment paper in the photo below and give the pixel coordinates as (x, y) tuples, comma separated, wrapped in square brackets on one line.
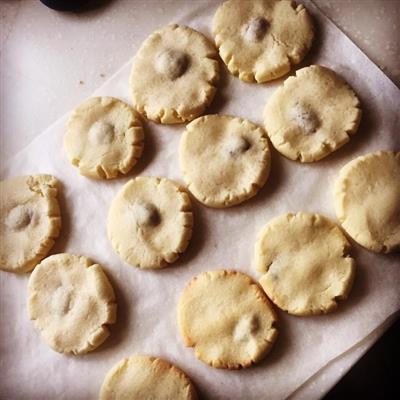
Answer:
[(222, 238)]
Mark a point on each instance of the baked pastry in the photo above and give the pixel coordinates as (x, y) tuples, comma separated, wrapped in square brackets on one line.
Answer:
[(30, 220), (224, 160), (367, 200), (174, 75)]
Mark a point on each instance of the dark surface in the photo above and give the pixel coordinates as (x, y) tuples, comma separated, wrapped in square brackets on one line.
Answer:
[(377, 373)]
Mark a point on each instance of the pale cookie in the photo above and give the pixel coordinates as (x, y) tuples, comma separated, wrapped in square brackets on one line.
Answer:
[(227, 319), (71, 301), (150, 222), (367, 200), (30, 221), (174, 75), (305, 263), (312, 114), (104, 138), (224, 160), (261, 40), (142, 377)]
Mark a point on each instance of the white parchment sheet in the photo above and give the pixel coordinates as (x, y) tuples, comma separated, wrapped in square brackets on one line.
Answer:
[(222, 239)]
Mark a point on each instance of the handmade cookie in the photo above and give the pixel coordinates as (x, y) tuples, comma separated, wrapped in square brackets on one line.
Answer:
[(305, 263), (227, 319), (30, 221), (104, 138), (143, 377), (261, 40), (150, 222), (224, 160), (174, 75), (312, 114), (71, 301), (367, 200)]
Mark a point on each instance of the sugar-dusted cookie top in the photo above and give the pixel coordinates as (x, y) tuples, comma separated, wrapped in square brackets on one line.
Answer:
[(305, 262), (174, 75), (144, 377), (225, 316), (71, 302), (104, 138), (260, 40), (313, 114), (367, 200), (224, 160), (150, 222), (30, 220)]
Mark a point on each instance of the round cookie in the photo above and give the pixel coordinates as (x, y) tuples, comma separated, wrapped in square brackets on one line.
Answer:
[(143, 377), (30, 221), (305, 263), (150, 222), (224, 160), (367, 200), (104, 138), (71, 301), (174, 75), (312, 114), (261, 40), (227, 319)]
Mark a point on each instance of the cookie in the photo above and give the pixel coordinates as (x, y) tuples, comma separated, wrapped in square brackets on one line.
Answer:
[(367, 200), (71, 301), (143, 377), (305, 262), (227, 319), (261, 40), (30, 221), (313, 114), (174, 75), (224, 160), (104, 138), (150, 222)]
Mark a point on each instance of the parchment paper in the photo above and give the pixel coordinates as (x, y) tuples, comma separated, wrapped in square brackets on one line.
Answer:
[(222, 239)]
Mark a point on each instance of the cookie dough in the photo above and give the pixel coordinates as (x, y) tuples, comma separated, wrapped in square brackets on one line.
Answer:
[(261, 40), (104, 138), (227, 319), (30, 221), (305, 262), (367, 200), (143, 377), (71, 301), (174, 75), (312, 114), (224, 160), (150, 222)]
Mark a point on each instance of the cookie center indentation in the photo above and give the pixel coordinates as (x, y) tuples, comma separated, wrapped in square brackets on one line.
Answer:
[(62, 300), (146, 214), (18, 218), (256, 29), (237, 145), (101, 133), (305, 118), (172, 63), (246, 327)]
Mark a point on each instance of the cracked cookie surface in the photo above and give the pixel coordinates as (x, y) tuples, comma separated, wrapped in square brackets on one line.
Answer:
[(174, 75), (150, 222), (104, 138), (145, 377), (224, 160), (261, 40), (226, 317), (71, 302), (367, 200), (305, 263), (30, 221), (312, 114)]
